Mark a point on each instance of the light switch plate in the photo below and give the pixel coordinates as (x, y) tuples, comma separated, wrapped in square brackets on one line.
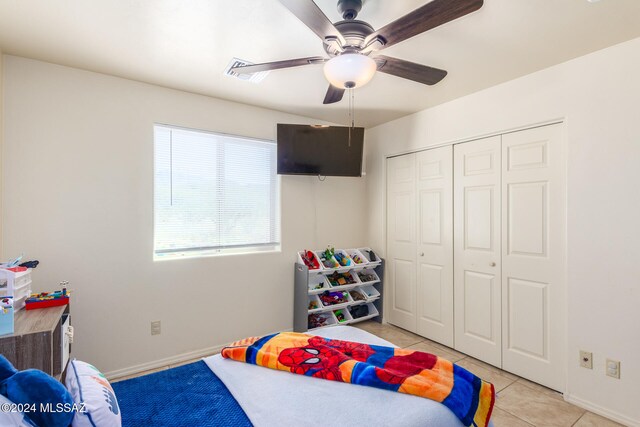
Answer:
[(613, 368), (155, 328)]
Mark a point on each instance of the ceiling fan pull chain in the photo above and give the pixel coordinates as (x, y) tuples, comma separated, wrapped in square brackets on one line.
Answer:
[(353, 108), (351, 113)]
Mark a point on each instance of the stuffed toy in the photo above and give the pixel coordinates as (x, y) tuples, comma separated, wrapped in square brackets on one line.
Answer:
[(38, 390)]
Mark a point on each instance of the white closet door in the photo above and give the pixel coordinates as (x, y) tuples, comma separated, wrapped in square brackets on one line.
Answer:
[(533, 255), (477, 251), (434, 180), (401, 240)]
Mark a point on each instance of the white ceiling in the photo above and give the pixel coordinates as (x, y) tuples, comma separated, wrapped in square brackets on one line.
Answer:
[(187, 44)]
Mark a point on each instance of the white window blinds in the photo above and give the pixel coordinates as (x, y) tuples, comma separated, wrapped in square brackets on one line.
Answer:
[(213, 192)]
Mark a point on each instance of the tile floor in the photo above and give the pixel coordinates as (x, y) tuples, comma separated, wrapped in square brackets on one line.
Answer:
[(520, 403)]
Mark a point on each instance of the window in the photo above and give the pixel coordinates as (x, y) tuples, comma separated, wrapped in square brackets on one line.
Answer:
[(214, 193)]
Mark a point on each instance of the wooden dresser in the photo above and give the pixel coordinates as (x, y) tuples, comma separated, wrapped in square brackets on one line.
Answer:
[(38, 340)]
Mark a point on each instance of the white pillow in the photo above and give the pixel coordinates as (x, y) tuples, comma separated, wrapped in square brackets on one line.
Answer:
[(12, 419), (90, 388)]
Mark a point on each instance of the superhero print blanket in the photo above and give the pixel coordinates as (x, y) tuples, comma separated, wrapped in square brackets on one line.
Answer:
[(405, 371)]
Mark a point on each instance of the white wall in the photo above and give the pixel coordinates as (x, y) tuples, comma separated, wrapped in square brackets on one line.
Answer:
[(598, 96), (78, 180)]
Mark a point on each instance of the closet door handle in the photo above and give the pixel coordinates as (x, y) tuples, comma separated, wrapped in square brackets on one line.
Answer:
[(421, 253), (493, 264)]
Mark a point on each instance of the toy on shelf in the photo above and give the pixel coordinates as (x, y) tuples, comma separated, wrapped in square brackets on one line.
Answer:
[(366, 277), (310, 260), (358, 311), (313, 305), (341, 279), (46, 299), (328, 259), (357, 258), (357, 295), (318, 320), (343, 259), (340, 316), (333, 298), (6, 304)]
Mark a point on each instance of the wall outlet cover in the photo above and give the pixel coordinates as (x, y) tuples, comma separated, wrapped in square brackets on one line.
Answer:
[(586, 359), (613, 368), (155, 327)]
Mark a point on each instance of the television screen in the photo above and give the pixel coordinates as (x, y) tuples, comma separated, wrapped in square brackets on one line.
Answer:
[(319, 150)]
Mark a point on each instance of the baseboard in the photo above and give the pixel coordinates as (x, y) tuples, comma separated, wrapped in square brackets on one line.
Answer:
[(596, 409), (172, 360), (136, 369)]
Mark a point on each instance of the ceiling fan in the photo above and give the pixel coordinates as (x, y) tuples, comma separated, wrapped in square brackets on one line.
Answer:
[(353, 45)]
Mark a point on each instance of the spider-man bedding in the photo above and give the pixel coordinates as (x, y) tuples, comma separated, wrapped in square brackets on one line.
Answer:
[(405, 371)]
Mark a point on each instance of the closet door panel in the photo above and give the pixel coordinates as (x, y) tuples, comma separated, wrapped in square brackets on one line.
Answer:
[(434, 181), (477, 249), (533, 255), (401, 240)]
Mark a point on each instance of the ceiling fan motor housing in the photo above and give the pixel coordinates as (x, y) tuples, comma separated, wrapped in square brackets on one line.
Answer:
[(354, 32), (349, 8)]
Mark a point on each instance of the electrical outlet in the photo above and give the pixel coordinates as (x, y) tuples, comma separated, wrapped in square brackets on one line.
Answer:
[(586, 359), (613, 368), (155, 328)]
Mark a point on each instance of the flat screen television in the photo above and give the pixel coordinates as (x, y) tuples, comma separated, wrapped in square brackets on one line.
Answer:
[(319, 150)]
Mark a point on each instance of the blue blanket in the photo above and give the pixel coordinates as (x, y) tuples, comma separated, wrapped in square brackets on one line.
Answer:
[(189, 395)]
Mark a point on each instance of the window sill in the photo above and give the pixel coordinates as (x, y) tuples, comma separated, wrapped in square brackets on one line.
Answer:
[(213, 254)]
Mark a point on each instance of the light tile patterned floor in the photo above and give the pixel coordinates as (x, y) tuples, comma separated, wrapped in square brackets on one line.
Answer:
[(520, 403)]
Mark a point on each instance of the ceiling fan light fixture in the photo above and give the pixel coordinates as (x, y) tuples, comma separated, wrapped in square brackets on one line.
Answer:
[(349, 70)]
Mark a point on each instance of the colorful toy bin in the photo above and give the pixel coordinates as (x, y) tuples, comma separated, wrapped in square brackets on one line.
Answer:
[(6, 315)]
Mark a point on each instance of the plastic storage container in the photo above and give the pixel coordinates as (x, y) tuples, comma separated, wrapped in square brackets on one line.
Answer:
[(358, 258), (318, 284), (343, 259), (329, 264), (370, 292), (301, 260), (17, 285), (368, 276), (343, 280), (343, 316), (370, 310), (6, 316), (335, 302), (314, 304), (318, 320), (365, 252), (358, 295)]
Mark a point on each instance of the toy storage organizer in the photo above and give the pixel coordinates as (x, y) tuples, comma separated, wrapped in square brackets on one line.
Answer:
[(360, 284), (17, 285)]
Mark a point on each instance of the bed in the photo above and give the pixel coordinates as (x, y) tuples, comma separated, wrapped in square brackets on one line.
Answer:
[(223, 393), (273, 398)]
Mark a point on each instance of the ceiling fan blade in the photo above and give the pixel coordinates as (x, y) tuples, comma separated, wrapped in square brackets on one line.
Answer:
[(409, 70), (311, 15), (267, 66), (424, 18), (333, 95)]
